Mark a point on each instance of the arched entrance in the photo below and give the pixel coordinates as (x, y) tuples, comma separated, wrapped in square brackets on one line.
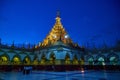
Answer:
[(4, 59), (91, 61), (27, 60), (16, 60), (101, 60), (113, 59)]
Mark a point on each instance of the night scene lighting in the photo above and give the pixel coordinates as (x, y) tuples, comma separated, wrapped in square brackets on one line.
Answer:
[(59, 39)]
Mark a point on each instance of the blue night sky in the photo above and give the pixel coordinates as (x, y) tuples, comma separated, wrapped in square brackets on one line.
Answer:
[(86, 21)]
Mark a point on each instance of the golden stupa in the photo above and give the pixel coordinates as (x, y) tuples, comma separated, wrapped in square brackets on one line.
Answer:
[(57, 33)]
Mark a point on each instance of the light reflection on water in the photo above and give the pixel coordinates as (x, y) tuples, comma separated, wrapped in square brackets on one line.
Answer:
[(69, 75)]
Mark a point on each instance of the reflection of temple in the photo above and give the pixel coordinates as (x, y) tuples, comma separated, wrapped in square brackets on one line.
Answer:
[(58, 49)]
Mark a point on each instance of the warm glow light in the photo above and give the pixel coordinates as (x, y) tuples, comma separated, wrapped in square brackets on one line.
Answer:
[(82, 70), (55, 36), (16, 59), (66, 36)]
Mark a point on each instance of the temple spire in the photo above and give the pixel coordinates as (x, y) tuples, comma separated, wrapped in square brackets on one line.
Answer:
[(58, 13), (58, 19), (57, 33)]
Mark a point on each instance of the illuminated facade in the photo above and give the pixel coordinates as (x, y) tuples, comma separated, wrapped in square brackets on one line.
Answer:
[(56, 49)]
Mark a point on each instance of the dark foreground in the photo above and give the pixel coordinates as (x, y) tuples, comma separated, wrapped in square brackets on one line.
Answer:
[(59, 67), (67, 75)]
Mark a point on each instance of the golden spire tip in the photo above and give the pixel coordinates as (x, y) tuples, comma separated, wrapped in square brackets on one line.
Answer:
[(58, 13)]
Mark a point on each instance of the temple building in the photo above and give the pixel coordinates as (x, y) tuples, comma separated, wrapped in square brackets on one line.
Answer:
[(56, 49), (58, 46)]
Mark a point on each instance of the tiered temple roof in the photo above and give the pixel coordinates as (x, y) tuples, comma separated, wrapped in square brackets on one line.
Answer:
[(57, 34)]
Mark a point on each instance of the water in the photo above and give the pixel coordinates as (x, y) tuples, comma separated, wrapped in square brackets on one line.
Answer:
[(70, 75)]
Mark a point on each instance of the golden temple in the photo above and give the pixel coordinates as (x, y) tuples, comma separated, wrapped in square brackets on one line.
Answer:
[(57, 33)]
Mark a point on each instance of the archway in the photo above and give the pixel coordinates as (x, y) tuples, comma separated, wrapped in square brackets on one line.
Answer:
[(91, 61), (101, 61), (113, 59), (27, 60), (16, 60), (4, 59)]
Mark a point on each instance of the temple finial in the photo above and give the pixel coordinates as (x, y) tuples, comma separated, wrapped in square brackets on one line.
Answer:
[(58, 13), (58, 17)]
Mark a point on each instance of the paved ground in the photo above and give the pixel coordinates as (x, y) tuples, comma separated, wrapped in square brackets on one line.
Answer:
[(71, 75)]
